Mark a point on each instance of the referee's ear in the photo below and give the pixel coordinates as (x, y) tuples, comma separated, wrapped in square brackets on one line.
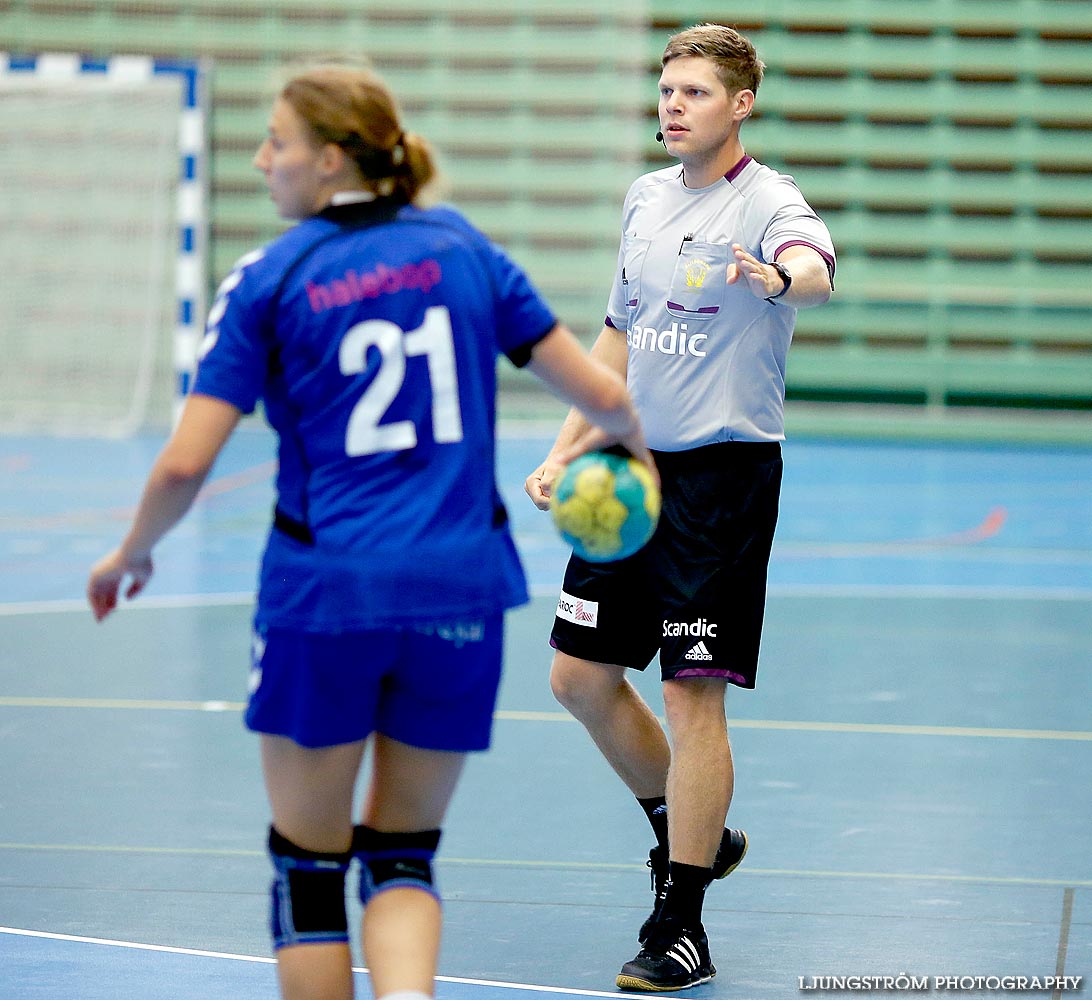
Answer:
[(743, 103)]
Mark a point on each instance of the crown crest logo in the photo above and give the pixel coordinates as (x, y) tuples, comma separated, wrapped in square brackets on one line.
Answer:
[(696, 270)]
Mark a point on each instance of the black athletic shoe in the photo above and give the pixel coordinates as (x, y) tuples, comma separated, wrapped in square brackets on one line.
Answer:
[(672, 958), (733, 846)]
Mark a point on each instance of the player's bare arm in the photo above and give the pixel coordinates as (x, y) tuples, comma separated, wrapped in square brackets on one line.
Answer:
[(610, 349), (172, 485)]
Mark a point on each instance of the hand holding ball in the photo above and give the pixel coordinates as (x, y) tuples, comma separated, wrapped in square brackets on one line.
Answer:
[(605, 505)]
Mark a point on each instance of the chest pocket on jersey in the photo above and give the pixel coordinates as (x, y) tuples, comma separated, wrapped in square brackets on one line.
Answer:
[(698, 282), (633, 261)]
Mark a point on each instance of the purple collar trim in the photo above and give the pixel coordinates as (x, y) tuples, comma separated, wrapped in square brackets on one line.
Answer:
[(737, 169)]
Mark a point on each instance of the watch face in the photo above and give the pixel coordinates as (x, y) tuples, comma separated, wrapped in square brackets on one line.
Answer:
[(785, 277)]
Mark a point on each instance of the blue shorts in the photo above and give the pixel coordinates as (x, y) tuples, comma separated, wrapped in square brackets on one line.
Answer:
[(431, 686)]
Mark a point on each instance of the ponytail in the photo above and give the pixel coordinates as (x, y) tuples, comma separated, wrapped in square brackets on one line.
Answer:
[(418, 167)]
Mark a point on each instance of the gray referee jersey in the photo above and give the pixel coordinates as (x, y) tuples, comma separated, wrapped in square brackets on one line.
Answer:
[(707, 359)]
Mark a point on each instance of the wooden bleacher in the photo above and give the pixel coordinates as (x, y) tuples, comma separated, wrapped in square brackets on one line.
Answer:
[(948, 143)]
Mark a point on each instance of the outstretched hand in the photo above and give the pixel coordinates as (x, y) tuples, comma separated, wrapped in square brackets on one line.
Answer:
[(107, 576), (762, 279)]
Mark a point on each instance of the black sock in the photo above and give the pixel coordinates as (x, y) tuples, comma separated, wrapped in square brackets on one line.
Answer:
[(656, 811), (686, 885)]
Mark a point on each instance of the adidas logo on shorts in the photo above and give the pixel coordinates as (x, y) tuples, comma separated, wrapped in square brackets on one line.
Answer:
[(698, 652)]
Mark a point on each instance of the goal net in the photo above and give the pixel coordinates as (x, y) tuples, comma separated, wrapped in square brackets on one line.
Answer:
[(101, 241)]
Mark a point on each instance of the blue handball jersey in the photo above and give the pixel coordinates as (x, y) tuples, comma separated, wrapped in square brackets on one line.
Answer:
[(370, 333)]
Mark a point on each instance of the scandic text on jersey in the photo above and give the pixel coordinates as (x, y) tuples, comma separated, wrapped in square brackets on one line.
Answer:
[(673, 340)]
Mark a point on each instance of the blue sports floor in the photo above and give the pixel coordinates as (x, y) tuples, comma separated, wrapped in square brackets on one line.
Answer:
[(914, 770)]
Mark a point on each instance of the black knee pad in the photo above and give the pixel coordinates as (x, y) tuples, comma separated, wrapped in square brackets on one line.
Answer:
[(395, 860), (308, 894)]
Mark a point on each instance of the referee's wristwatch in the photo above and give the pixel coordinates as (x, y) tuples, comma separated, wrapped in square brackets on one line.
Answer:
[(786, 277)]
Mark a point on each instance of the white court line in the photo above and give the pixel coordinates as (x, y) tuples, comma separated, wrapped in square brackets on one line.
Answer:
[(895, 591), (145, 603), (877, 728), (132, 945), (516, 715), (76, 939), (928, 592), (902, 549), (591, 866), (910, 591), (137, 704)]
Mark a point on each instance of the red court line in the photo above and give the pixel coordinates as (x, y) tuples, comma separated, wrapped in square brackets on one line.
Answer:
[(237, 480), (990, 527), (71, 518)]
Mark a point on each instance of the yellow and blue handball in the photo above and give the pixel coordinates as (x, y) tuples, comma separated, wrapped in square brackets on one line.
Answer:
[(605, 505)]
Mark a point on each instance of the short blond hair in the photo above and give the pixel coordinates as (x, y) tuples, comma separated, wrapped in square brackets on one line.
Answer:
[(737, 64)]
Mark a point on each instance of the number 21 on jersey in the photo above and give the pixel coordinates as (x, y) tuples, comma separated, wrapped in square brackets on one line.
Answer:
[(366, 435)]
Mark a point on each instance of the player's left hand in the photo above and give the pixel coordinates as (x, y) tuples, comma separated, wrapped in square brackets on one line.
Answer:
[(107, 576), (539, 485), (762, 280)]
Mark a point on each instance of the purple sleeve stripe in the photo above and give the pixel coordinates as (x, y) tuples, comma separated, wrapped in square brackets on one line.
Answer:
[(804, 243)]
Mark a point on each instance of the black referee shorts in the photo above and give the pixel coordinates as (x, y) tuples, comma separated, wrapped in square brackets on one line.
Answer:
[(696, 592)]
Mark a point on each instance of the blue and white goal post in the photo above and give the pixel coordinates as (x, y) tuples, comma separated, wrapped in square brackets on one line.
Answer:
[(103, 242)]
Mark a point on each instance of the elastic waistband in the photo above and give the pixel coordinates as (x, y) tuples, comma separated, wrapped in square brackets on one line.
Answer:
[(301, 532), (722, 453), (296, 530)]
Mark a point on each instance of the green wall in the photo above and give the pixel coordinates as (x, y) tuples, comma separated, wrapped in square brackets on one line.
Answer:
[(948, 144)]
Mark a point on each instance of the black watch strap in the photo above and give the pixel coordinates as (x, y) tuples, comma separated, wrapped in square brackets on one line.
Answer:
[(786, 277)]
